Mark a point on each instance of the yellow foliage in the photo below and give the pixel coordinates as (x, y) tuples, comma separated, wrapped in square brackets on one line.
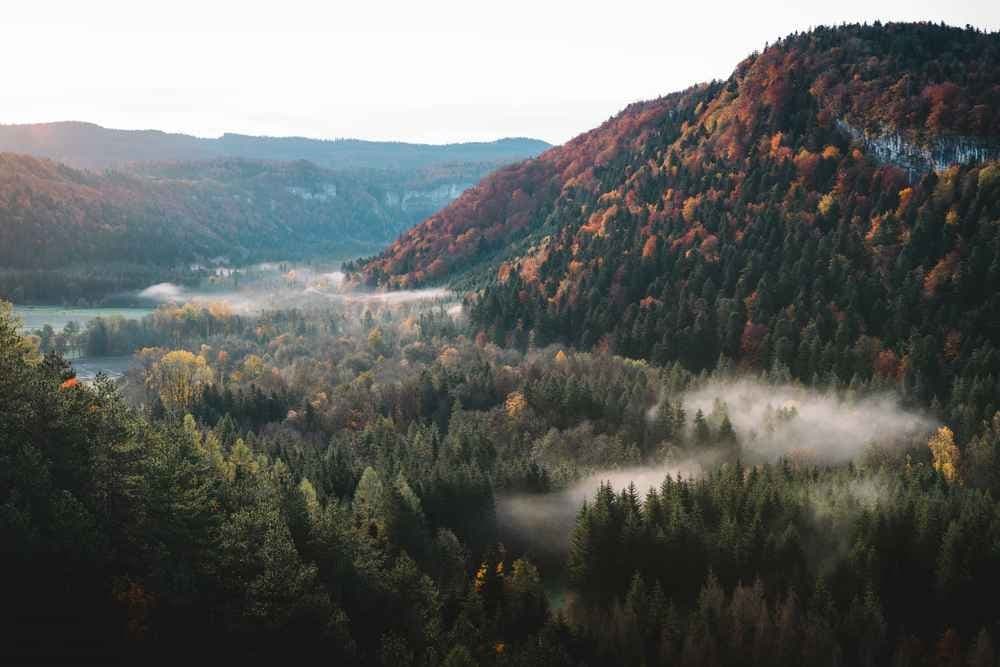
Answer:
[(253, 366), (375, 339), (561, 357), (945, 453), (690, 208), (826, 204), (178, 377), (989, 176), (481, 577), (220, 310), (515, 404), (449, 356)]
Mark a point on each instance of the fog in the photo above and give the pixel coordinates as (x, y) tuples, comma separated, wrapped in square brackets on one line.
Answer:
[(775, 421), (264, 286), (543, 523), (771, 422), (162, 292)]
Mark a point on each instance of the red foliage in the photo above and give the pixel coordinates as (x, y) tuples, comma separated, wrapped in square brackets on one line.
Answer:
[(752, 342), (886, 364)]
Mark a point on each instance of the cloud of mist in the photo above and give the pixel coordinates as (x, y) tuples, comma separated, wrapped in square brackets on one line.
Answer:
[(162, 292), (268, 288), (778, 421), (771, 422), (543, 522)]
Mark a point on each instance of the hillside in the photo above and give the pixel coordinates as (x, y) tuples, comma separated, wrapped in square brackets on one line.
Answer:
[(86, 145), (827, 209), (54, 215), (67, 234)]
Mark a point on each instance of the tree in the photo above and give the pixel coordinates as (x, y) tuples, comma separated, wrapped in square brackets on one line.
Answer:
[(369, 499), (177, 378), (945, 453)]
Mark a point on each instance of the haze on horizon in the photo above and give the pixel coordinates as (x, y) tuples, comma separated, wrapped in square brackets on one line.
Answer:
[(435, 72)]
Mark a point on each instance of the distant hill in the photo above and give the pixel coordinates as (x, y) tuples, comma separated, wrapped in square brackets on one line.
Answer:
[(53, 215), (833, 207), (76, 198), (85, 145)]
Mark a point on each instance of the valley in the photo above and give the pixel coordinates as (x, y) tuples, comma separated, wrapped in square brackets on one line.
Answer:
[(716, 382)]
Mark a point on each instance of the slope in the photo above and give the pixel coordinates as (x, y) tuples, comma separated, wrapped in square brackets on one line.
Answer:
[(830, 209)]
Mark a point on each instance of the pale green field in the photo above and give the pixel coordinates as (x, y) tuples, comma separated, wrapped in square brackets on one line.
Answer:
[(36, 317)]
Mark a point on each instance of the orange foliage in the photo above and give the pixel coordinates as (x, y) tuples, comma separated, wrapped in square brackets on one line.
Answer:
[(752, 341), (905, 195), (806, 163), (598, 222), (942, 272), (952, 345), (886, 364), (649, 302), (690, 208), (503, 273), (649, 247)]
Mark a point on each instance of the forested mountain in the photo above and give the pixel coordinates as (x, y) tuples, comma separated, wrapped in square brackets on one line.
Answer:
[(120, 210), (68, 233), (797, 214), (54, 215), (86, 145)]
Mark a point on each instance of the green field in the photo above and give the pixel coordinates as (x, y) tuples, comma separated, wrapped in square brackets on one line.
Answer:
[(36, 317)]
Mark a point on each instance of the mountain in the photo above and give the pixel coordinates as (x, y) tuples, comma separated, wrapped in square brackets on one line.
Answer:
[(86, 145), (833, 207), (151, 202), (169, 212)]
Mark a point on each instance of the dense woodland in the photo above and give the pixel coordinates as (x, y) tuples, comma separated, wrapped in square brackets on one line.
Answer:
[(348, 478), (334, 476)]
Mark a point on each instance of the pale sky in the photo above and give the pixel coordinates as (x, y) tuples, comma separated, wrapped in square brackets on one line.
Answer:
[(421, 70)]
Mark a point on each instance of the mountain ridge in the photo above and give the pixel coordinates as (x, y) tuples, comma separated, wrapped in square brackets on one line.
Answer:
[(89, 145), (941, 109)]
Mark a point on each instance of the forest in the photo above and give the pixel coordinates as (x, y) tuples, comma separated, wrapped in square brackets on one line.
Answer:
[(380, 482)]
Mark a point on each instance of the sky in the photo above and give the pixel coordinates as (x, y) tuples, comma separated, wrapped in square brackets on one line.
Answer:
[(433, 71)]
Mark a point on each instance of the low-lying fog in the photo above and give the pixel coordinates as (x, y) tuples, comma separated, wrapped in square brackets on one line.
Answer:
[(543, 522), (265, 286), (771, 422), (785, 420)]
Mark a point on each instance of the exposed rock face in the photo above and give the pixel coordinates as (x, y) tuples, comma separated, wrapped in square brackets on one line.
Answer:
[(426, 199), (917, 159), (327, 192)]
